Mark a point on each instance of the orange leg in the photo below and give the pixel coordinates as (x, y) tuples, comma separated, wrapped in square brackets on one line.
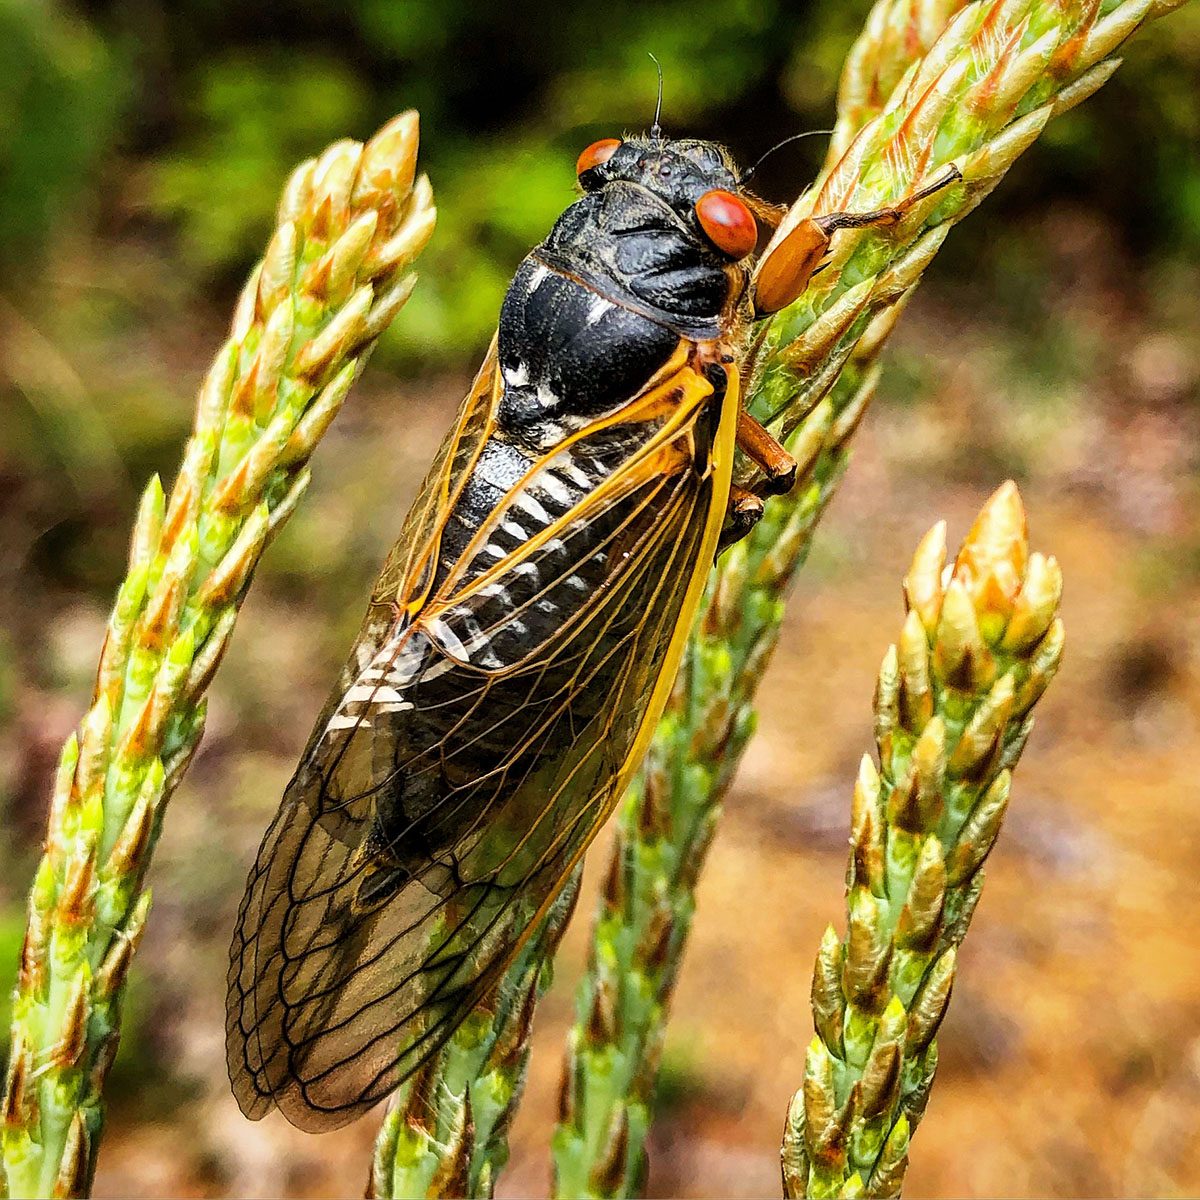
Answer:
[(784, 273), (765, 452)]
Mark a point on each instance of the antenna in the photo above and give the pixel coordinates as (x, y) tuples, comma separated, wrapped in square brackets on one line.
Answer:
[(656, 129), (779, 146)]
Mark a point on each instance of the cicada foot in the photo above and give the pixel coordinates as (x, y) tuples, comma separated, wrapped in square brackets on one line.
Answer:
[(744, 512), (786, 269)]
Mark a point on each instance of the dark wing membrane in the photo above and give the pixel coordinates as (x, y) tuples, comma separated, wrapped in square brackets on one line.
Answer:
[(459, 777)]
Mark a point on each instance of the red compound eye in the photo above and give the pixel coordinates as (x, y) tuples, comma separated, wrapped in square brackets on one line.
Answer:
[(728, 222), (597, 153)]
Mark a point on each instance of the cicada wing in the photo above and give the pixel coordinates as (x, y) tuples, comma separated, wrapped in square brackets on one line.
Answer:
[(309, 869), (418, 844), (408, 570)]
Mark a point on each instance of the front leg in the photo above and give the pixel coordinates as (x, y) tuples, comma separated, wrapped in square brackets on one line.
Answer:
[(787, 267), (761, 448)]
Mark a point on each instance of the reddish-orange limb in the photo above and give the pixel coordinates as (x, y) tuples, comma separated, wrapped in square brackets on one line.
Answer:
[(785, 271), (765, 452)]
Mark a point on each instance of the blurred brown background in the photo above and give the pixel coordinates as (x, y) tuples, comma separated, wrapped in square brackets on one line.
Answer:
[(1057, 341)]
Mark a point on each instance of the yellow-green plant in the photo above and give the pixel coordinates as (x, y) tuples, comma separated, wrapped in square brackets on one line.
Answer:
[(335, 273), (446, 1130), (952, 714), (980, 95)]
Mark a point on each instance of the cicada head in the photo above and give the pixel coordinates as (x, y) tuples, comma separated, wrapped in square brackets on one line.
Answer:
[(697, 179)]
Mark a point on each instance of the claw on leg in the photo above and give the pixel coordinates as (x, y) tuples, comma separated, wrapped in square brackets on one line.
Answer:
[(744, 512)]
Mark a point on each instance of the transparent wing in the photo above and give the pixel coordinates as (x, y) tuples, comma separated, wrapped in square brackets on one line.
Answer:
[(450, 788)]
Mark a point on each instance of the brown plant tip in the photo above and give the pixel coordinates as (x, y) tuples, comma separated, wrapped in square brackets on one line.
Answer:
[(74, 906), (73, 1040), (420, 1103), (609, 1171), (452, 1177), (654, 946), (569, 1089), (613, 889), (602, 1016), (73, 1168), (654, 811), (512, 1042), (20, 1101)]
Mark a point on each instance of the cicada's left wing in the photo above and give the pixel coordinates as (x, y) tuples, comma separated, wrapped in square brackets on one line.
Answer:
[(474, 765)]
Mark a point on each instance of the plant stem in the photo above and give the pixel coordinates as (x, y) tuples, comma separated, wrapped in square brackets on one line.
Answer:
[(952, 715), (446, 1130), (978, 98), (335, 273)]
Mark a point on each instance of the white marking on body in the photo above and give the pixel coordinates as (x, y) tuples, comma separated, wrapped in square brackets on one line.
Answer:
[(555, 488), (344, 721), (526, 503), (495, 589), (567, 468), (489, 658), (516, 375), (514, 530), (535, 279), (527, 568), (598, 307), (403, 706), (372, 693), (494, 550), (448, 640), (577, 583)]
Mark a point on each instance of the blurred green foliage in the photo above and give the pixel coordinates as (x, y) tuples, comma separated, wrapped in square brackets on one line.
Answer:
[(195, 110), (61, 89)]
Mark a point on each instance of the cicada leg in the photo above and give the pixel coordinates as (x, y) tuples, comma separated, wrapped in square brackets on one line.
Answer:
[(745, 511), (786, 269), (767, 454)]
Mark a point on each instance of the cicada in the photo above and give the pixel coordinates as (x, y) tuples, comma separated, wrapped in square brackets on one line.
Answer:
[(523, 634)]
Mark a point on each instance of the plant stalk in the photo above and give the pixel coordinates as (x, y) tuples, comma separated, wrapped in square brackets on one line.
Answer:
[(335, 273), (953, 706)]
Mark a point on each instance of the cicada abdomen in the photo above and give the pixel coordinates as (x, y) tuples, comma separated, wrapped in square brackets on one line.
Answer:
[(520, 641)]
